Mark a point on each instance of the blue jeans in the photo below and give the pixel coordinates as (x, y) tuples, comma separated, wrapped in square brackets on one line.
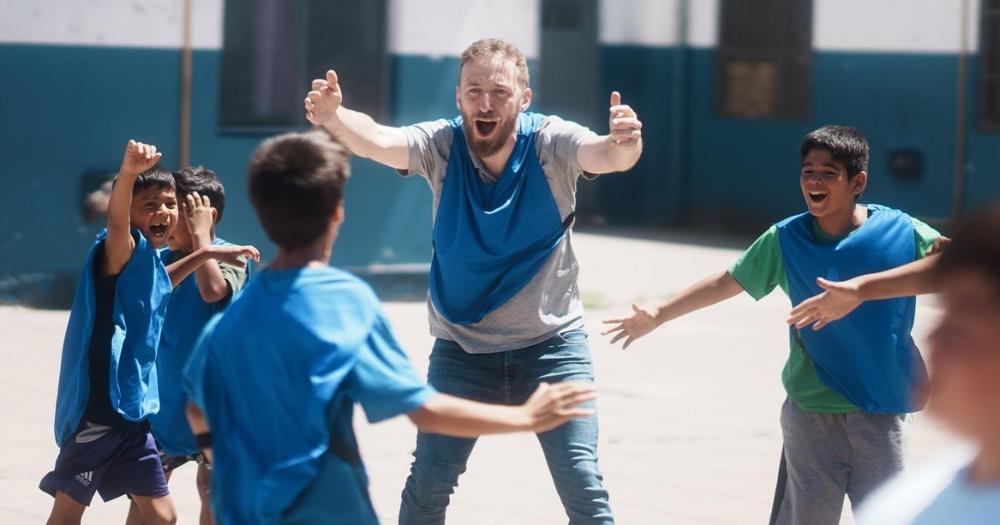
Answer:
[(509, 378)]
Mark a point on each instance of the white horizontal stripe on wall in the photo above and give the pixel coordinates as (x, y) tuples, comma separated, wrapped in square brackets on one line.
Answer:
[(446, 27), (910, 26), (638, 22), (121, 23)]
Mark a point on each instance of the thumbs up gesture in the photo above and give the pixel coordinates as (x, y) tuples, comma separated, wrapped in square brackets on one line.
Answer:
[(322, 102), (625, 126)]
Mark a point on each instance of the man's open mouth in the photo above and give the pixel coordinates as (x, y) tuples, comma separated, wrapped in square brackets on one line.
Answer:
[(817, 196), (486, 126), (158, 231)]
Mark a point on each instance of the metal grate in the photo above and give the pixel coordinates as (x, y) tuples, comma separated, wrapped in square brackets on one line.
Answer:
[(765, 58)]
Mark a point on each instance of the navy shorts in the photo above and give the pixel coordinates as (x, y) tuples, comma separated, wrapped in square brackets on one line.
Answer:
[(117, 463)]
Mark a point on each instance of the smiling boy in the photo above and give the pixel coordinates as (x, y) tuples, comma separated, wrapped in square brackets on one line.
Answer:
[(107, 378), (850, 385)]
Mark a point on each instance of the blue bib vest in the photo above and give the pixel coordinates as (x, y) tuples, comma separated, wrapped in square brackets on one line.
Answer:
[(140, 304), (187, 314), (491, 239), (868, 356), (285, 345)]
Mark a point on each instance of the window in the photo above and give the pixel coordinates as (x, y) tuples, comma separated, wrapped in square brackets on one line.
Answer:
[(273, 48), (765, 58), (989, 69)]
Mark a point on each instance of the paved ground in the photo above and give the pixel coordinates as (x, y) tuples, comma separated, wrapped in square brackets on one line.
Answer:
[(689, 416)]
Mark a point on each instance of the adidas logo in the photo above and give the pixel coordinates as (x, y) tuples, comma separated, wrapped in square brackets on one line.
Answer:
[(85, 478)]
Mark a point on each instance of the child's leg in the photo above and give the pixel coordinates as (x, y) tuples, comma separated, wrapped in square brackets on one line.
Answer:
[(880, 443), (156, 511), (204, 481), (65, 510), (816, 462), (134, 514)]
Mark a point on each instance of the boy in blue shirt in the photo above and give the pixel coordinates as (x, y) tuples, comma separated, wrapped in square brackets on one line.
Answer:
[(275, 377), (107, 378), (849, 386), (195, 299)]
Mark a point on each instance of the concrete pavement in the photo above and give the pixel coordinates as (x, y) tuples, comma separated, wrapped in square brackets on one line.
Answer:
[(689, 415)]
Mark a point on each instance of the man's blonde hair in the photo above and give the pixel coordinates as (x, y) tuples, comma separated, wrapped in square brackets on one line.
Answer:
[(489, 50)]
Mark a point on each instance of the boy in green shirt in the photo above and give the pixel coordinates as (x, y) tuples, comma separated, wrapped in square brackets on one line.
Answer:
[(849, 387)]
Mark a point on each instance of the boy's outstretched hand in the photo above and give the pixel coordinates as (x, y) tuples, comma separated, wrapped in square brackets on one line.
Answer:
[(235, 255), (139, 157), (640, 323), (838, 300), (200, 217), (553, 405)]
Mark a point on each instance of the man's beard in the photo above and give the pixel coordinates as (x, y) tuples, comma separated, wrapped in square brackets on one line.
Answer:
[(487, 147)]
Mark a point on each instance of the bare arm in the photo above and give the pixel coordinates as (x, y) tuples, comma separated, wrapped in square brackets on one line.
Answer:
[(706, 292), (620, 149), (841, 298), (119, 245), (179, 270), (199, 426), (549, 407), (359, 132), (200, 217)]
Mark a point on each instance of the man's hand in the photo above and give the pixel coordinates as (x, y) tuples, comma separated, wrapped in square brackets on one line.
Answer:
[(322, 102), (553, 405), (200, 217), (640, 323), (138, 158), (838, 300), (623, 123)]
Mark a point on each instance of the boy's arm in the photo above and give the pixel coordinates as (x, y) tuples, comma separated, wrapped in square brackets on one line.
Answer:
[(233, 255), (359, 132), (119, 245), (549, 407), (620, 149), (706, 292), (200, 218), (199, 427), (841, 298)]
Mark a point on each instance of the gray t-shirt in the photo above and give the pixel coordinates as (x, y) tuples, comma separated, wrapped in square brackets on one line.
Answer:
[(550, 302)]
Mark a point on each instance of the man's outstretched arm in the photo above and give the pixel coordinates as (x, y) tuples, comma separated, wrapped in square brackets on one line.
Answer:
[(620, 149), (358, 131)]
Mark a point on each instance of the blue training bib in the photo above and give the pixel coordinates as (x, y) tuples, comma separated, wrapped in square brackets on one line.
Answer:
[(187, 315), (491, 239), (868, 356), (293, 335), (140, 304)]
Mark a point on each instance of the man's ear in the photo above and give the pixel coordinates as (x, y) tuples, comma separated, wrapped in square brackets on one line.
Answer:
[(525, 99), (859, 183), (458, 98)]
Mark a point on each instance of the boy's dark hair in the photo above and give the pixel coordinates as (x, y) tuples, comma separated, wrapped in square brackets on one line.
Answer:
[(155, 177), (846, 145), (205, 182), (296, 182), (975, 247)]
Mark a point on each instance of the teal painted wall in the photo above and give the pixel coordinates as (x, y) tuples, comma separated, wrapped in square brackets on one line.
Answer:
[(68, 110)]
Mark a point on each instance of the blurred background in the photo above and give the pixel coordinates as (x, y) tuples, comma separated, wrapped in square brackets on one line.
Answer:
[(725, 88)]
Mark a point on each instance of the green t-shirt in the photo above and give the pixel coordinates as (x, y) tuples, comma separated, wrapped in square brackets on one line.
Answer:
[(759, 270)]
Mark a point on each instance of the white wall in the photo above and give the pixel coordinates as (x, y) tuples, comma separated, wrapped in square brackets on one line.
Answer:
[(446, 27), (124, 23), (914, 26)]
